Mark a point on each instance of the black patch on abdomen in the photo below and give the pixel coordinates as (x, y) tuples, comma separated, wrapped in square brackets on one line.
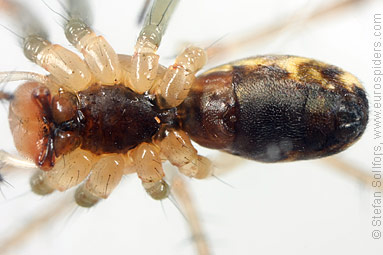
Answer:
[(281, 118)]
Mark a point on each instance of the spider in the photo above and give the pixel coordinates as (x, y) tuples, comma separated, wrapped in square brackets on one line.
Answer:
[(275, 174)]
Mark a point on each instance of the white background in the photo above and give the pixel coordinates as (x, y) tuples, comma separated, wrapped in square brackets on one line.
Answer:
[(290, 208)]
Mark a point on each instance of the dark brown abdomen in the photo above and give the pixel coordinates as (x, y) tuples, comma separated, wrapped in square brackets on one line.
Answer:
[(265, 113)]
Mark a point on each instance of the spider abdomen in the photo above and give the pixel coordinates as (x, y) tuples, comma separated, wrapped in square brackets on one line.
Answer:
[(276, 108)]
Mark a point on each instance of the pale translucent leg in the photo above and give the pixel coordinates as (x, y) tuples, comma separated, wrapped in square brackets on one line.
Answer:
[(222, 50), (350, 170), (226, 163), (105, 175), (147, 162), (145, 159), (25, 23), (66, 68), (35, 224), (157, 190), (84, 198), (102, 60), (174, 86), (15, 161), (181, 192), (129, 165), (144, 63), (177, 148), (22, 76), (65, 204), (143, 11), (38, 183), (70, 170), (143, 70), (79, 9)]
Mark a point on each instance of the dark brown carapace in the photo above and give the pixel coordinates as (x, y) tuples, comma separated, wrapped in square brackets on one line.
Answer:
[(100, 119)]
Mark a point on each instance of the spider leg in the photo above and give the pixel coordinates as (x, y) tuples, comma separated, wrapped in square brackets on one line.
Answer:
[(181, 191), (35, 224), (221, 50), (23, 21), (20, 76), (174, 86), (15, 161), (102, 60), (66, 68), (342, 166), (147, 162), (178, 149), (144, 63)]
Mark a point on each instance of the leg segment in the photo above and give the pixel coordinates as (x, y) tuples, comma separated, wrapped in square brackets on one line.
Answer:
[(177, 148), (350, 170), (24, 22), (15, 161), (183, 197), (35, 224), (105, 175), (147, 161), (102, 60), (70, 170), (157, 190), (65, 67), (276, 28), (20, 76), (174, 87), (144, 63)]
